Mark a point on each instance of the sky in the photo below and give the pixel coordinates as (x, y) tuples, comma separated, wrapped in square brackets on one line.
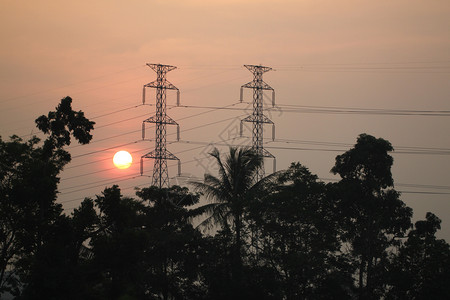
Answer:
[(340, 68)]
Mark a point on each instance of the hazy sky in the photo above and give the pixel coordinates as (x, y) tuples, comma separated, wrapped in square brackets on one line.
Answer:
[(329, 59)]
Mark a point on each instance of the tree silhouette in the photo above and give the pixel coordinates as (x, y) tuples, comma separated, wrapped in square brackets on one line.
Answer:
[(176, 250), (118, 248), (288, 236), (298, 237), (229, 194), (146, 248), (29, 181), (421, 270), (371, 211)]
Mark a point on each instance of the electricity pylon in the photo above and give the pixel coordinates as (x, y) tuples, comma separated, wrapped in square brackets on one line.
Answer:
[(257, 117), (161, 119)]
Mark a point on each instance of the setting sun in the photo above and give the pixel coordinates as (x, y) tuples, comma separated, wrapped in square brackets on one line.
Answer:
[(122, 160)]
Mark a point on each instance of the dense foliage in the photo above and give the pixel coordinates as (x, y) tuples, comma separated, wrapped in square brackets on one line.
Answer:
[(288, 236)]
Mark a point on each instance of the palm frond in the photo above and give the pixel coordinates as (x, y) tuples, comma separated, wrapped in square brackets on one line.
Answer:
[(218, 215), (268, 180), (211, 188), (204, 209), (231, 188), (223, 172)]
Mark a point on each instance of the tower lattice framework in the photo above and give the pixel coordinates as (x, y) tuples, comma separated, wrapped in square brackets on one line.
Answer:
[(257, 117), (160, 154)]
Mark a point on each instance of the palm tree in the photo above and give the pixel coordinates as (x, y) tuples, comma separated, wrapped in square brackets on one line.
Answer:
[(229, 194)]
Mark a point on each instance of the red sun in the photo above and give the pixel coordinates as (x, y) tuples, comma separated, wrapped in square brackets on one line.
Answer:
[(122, 160)]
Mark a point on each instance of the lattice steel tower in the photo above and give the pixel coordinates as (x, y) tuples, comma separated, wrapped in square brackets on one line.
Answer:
[(257, 117), (160, 119)]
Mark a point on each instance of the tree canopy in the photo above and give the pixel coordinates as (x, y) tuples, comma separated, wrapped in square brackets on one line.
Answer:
[(287, 236)]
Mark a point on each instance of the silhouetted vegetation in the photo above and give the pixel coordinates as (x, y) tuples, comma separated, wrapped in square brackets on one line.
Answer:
[(288, 236)]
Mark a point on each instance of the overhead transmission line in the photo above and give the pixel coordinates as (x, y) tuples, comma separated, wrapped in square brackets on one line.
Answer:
[(113, 181), (122, 189), (92, 118), (299, 109), (139, 130), (83, 187), (75, 93), (201, 113), (106, 169), (227, 144), (69, 84), (134, 142), (110, 180), (285, 108), (119, 179), (361, 111), (400, 149), (397, 149), (109, 169), (380, 67), (99, 160), (116, 111), (407, 150)]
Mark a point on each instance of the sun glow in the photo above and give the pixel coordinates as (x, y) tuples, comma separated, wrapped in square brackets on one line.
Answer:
[(122, 160)]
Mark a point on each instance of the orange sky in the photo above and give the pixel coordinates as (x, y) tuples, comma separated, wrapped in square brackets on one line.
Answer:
[(346, 54)]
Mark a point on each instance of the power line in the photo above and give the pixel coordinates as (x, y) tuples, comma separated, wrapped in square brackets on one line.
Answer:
[(109, 124), (116, 111), (79, 92), (103, 139), (387, 67), (413, 150), (117, 179), (121, 121), (370, 63), (133, 177), (89, 186), (109, 169), (214, 107), (410, 185), (105, 149), (361, 111), (199, 179), (343, 150), (270, 147), (397, 149), (69, 84), (289, 108), (135, 131), (98, 160), (425, 193), (358, 108), (189, 129), (424, 186)]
